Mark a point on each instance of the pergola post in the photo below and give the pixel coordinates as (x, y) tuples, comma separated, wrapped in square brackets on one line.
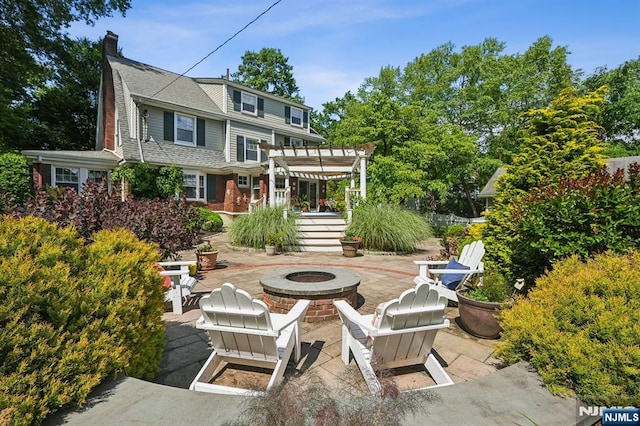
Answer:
[(272, 182), (363, 177)]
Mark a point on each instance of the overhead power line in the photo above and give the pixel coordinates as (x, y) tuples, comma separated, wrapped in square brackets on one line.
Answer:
[(218, 48)]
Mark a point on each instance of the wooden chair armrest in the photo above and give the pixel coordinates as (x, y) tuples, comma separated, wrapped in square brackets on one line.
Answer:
[(296, 313), (431, 262), (347, 311), (452, 271)]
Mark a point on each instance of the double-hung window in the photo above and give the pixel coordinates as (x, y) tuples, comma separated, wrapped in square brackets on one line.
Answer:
[(193, 185), (96, 176), (249, 103), (251, 149), (296, 116), (185, 129), (68, 177), (73, 177)]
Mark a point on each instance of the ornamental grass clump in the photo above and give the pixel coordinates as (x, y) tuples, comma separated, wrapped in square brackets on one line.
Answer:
[(388, 227), (580, 328), (252, 230)]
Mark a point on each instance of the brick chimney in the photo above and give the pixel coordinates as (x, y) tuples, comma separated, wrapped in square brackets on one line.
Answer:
[(110, 44), (107, 126)]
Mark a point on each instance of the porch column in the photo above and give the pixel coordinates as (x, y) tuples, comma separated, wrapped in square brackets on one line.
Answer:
[(363, 177), (272, 182)]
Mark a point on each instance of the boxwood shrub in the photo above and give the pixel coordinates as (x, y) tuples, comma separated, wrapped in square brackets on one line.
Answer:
[(580, 328), (72, 314)]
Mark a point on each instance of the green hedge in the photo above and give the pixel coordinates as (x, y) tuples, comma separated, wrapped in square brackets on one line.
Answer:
[(580, 328), (72, 314)]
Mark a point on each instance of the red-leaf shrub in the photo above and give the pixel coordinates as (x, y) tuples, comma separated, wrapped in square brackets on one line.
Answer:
[(169, 223)]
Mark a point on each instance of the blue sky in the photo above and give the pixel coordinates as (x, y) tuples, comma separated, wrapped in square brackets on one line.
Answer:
[(333, 45)]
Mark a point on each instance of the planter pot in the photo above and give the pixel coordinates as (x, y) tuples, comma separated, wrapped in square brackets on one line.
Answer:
[(479, 318), (270, 250), (350, 248), (207, 260)]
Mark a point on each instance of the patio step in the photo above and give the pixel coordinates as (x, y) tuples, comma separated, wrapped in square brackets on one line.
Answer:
[(319, 232)]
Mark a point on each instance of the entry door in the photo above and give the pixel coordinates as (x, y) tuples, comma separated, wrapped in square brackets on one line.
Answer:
[(310, 190)]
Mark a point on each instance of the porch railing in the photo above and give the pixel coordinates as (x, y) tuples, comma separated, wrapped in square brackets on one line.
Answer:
[(257, 204)]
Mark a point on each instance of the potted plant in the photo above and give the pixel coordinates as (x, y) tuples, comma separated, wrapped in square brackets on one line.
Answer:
[(350, 244), (273, 242), (479, 305), (207, 256)]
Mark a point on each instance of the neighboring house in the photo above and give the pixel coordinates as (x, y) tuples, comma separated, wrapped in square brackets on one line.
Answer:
[(223, 135), (489, 190)]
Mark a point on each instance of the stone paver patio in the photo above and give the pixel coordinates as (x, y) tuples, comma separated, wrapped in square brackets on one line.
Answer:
[(383, 277)]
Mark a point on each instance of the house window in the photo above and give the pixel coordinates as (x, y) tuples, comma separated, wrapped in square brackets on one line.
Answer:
[(279, 183), (243, 181), (96, 176), (249, 103), (193, 185), (67, 177), (292, 142), (185, 129), (248, 149), (251, 149), (201, 187), (296, 116)]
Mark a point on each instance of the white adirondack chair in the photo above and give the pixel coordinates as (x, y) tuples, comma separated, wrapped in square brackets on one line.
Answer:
[(402, 335), (243, 331), (432, 271), (181, 283)]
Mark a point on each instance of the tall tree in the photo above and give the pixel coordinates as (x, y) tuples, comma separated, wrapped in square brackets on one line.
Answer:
[(32, 41), (268, 70), (621, 113), (64, 111), (562, 141)]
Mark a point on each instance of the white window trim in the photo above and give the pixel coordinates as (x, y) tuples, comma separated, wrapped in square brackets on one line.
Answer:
[(301, 117), (175, 129), (246, 184), (83, 175), (197, 175), (255, 103), (246, 149)]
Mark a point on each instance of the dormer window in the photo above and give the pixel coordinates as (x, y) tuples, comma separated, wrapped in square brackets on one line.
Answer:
[(249, 103), (296, 117)]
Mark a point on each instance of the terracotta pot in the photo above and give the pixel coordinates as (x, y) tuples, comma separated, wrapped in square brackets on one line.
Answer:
[(207, 260), (479, 318), (350, 248)]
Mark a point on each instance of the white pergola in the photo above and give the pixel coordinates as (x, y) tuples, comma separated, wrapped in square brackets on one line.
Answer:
[(322, 163)]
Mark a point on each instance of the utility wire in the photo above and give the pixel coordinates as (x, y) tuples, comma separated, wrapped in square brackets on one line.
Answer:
[(217, 48)]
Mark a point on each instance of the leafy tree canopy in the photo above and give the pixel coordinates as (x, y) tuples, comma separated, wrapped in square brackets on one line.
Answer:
[(268, 70), (621, 112), (33, 41)]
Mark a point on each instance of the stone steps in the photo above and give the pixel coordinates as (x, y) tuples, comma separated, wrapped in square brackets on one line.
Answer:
[(319, 232)]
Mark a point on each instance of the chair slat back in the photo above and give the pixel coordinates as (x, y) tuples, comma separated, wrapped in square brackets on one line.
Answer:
[(415, 307), (418, 307), (239, 325), (472, 254)]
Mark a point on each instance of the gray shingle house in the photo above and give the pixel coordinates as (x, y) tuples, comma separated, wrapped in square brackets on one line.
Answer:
[(231, 141)]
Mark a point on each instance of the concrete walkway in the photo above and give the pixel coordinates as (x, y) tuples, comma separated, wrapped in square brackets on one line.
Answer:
[(483, 393)]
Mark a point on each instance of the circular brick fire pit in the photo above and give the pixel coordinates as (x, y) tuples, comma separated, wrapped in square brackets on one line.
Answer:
[(282, 288)]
